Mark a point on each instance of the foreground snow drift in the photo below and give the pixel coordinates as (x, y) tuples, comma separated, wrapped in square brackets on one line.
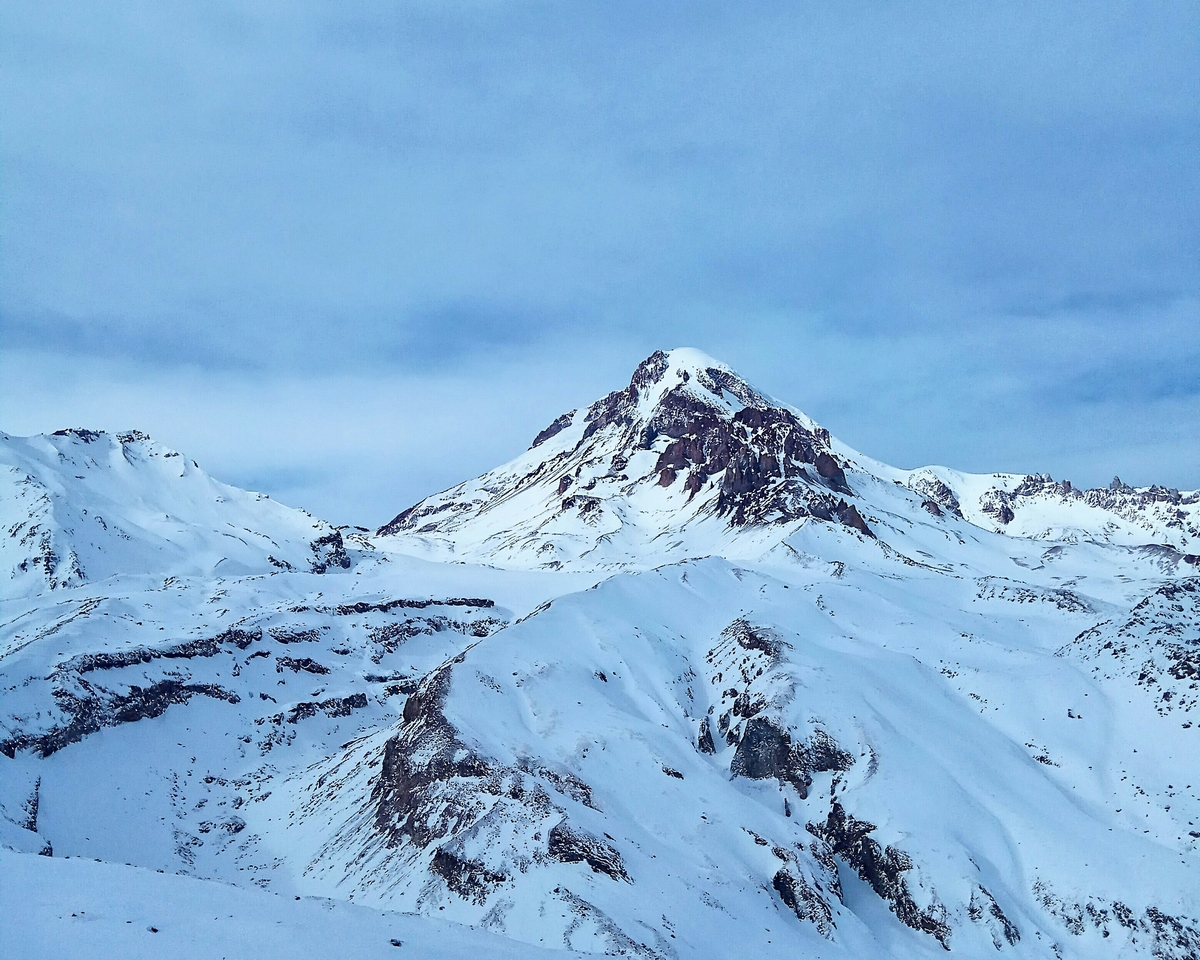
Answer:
[(81, 908)]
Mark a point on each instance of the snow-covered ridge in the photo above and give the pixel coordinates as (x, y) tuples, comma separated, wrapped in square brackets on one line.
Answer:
[(79, 506), (691, 460)]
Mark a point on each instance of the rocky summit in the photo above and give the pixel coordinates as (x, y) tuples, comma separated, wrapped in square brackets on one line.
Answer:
[(687, 678)]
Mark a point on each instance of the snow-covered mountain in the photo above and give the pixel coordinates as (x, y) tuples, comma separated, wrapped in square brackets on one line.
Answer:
[(700, 681), (81, 506), (690, 460)]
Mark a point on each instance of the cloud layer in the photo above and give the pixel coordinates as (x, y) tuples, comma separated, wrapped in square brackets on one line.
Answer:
[(953, 234)]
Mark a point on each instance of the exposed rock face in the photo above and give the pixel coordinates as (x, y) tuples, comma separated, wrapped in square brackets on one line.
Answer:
[(1172, 937), (829, 468), (849, 515), (407, 784), (1151, 508), (241, 638), (882, 868), (997, 504), (764, 751), (296, 664), (983, 908), (742, 663), (1002, 588), (938, 496), (89, 662), (349, 609), (754, 451), (470, 879), (391, 636), (333, 707), (805, 901), (329, 551), (434, 790), (103, 708), (88, 704), (568, 846), (555, 428)]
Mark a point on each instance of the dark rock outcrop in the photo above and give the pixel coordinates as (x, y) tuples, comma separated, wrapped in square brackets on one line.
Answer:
[(1157, 646), (470, 879), (938, 495), (1172, 937), (99, 708), (391, 636), (241, 638), (849, 516), (333, 707), (89, 662), (433, 789), (329, 551), (284, 634), (805, 902), (427, 785), (571, 846), (882, 869), (296, 664), (1156, 503), (983, 908), (558, 426), (765, 752), (386, 606), (832, 471), (771, 464)]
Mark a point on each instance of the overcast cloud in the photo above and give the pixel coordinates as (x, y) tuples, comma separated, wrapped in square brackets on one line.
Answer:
[(350, 253)]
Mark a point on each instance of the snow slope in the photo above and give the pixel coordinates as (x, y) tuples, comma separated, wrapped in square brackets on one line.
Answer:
[(81, 506), (82, 908), (731, 688)]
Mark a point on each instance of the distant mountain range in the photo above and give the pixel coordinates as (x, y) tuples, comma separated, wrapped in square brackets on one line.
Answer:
[(687, 678)]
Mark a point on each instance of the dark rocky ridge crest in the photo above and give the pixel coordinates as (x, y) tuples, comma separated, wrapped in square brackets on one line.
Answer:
[(555, 428), (99, 708), (1118, 498)]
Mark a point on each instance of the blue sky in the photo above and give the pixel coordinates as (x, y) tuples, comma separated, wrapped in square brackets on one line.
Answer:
[(350, 253)]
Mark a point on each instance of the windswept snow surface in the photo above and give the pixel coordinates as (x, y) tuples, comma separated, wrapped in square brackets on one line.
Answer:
[(689, 678), (81, 908), (82, 506)]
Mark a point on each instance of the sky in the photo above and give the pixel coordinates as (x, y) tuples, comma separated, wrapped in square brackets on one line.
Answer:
[(351, 253)]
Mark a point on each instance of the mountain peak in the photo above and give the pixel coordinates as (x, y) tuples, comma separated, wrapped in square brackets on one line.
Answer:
[(668, 379), (688, 443), (662, 371)]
